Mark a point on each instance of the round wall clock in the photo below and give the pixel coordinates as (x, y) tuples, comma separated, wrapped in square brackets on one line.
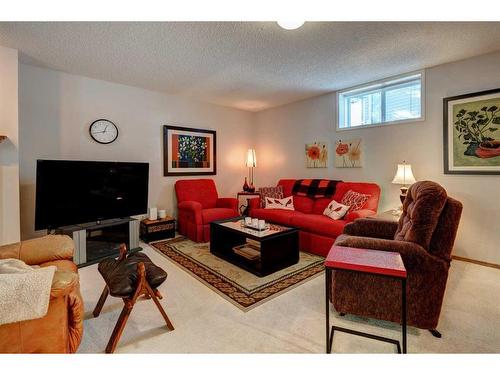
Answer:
[(103, 131)]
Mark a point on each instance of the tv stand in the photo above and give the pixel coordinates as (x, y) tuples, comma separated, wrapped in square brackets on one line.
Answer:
[(95, 241)]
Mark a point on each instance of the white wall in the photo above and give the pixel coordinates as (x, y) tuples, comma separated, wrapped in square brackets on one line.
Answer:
[(56, 110), (282, 133), (9, 148)]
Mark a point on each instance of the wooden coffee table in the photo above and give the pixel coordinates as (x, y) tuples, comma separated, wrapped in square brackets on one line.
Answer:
[(259, 252), (374, 262)]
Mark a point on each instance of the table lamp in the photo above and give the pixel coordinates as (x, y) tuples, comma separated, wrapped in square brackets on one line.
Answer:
[(251, 164), (404, 176)]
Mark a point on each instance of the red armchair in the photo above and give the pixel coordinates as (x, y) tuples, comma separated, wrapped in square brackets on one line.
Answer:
[(198, 205)]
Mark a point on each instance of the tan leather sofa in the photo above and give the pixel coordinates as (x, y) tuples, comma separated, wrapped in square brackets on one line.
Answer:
[(60, 331)]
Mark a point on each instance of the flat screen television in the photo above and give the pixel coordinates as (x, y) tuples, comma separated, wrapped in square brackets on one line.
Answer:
[(76, 192)]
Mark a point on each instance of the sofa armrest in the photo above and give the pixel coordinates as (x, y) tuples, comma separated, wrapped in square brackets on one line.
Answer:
[(375, 228), (63, 283), (231, 203), (253, 203), (353, 215), (75, 320), (193, 209), (414, 256), (40, 250)]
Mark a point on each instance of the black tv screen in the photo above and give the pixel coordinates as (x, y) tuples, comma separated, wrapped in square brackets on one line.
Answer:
[(76, 192)]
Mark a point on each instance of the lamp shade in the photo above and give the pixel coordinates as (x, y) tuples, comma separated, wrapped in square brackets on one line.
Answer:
[(251, 158), (404, 175)]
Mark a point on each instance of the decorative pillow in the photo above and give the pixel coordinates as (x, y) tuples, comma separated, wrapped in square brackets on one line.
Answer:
[(271, 192), (281, 204), (335, 210), (354, 200)]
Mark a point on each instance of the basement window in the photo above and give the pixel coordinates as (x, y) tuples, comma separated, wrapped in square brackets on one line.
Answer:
[(389, 101)]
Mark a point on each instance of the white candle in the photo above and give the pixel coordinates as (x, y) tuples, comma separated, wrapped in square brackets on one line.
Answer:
[(153, 213), (162, 214)]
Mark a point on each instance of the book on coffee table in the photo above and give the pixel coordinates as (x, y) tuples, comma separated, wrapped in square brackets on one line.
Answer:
[(248, 251)]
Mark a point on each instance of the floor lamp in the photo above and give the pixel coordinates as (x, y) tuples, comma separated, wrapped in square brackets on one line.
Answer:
[(251, 164)]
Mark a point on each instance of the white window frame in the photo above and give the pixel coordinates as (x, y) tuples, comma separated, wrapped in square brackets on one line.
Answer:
[(376, 85)]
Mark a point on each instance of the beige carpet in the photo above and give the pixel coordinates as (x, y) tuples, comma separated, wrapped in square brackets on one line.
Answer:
[(244, 289), (293, 322)]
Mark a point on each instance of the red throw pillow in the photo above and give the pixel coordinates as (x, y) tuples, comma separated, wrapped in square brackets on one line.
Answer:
[(354, 200)]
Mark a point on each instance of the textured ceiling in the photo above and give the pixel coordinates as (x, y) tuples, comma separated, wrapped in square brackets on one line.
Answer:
[(246, 65)]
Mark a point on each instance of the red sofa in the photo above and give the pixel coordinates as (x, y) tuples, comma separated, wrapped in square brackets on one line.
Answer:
[(198, 205), (317, 231)]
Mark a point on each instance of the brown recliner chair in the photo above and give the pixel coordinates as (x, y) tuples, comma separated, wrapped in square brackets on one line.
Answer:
[(424, 237), (61, 329)]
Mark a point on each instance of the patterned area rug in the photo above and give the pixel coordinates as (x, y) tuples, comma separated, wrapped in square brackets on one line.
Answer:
[(242, 288)]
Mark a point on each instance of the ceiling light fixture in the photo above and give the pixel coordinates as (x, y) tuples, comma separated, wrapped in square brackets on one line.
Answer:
[(290, 25)]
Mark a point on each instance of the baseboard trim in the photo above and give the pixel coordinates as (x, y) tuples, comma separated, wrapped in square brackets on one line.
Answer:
[(481, 263)]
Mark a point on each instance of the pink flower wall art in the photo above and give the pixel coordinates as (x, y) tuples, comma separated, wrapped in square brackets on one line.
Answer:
[(317, 155), (348, 153)]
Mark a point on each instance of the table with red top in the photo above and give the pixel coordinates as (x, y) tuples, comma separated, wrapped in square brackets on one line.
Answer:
[(373, 262)]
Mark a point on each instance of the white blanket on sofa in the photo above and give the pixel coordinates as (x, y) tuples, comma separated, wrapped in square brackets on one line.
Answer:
[(24, 290)]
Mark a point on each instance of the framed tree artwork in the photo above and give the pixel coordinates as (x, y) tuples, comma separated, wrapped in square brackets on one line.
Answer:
[(188, 151), (471, 133)]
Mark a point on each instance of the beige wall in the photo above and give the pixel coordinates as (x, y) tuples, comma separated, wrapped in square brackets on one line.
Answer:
[(9, 148), (56, 110), (282, 133)]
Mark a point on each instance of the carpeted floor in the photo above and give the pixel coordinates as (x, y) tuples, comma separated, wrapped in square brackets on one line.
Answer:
[(293, 322), (242, 288)]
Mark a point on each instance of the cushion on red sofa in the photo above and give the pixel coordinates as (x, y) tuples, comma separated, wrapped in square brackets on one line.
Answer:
[(303, 204), (271, 192), (211, 214), (361, 187), (280, 204), (287, 184), (354, 200), (318, 224), (336, 210), (272, 215)]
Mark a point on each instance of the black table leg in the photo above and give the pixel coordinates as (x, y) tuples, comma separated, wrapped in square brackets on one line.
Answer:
[(328, 279), (403, 300)]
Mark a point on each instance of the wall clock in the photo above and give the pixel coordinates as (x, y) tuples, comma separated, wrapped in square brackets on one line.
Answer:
[(103, 131)]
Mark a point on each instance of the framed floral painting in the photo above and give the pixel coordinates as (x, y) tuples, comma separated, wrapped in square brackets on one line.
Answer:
[(471, 133), (348, 153), (317, 155), (188, 151)]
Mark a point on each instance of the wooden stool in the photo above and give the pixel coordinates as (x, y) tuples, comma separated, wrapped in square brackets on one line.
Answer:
[(130, 277)]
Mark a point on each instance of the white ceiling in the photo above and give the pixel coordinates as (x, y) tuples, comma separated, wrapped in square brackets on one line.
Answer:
[(246, 65)]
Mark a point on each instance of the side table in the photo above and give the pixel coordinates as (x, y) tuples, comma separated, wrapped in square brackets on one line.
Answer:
[(243, 197), (154, 230), (374, 262)]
